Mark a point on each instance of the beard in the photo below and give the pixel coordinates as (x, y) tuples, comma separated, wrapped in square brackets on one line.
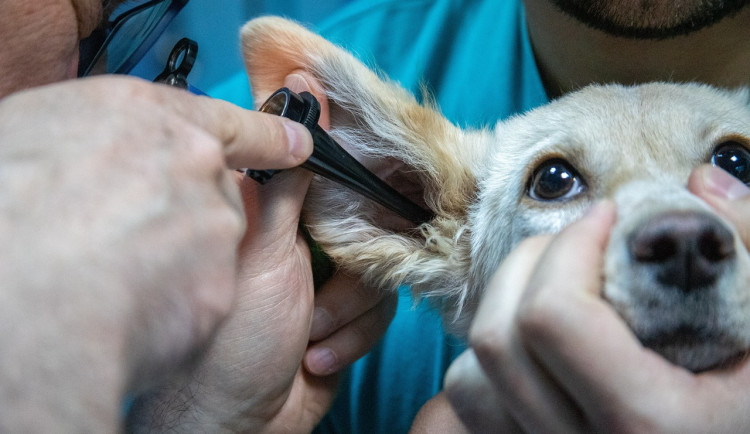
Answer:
[(649, 19)]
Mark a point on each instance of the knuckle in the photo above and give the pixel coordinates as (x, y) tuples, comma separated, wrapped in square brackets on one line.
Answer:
[(233, 224), (146, 91), (230, 221), (130, 89), (234, 198), (489, 343), (230, 122), (208, 153)]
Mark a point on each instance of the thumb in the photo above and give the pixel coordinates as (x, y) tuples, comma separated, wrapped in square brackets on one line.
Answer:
[(273, 210), (729, 196)]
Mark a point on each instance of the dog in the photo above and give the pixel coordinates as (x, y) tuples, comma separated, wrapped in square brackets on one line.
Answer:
[(674, 270)]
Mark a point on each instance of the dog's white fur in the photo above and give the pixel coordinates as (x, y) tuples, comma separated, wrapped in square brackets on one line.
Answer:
[(636, 145)]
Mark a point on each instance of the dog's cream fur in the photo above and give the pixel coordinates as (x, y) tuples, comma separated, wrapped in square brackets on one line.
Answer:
[(636, 145)]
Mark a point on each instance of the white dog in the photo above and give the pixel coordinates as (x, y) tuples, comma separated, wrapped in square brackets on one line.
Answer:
[(675, 271)]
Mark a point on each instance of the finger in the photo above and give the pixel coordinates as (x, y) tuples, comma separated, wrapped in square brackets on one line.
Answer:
[(339, 301), (249, 138), (464, 382), (725, 193), (273, 210), (535, 403), (589, 350), (352, 341), (252, 138), (574, 333)]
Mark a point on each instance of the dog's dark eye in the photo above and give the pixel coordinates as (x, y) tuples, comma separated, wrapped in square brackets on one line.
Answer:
[(554, 180), (734, 158)]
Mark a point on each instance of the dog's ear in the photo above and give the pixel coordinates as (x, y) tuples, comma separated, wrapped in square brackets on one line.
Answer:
[(396, 137)]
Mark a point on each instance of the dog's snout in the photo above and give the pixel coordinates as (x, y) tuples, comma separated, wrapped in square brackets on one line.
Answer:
[(684, 249)]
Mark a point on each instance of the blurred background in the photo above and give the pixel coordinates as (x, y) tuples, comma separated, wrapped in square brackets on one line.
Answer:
[(215, 25)]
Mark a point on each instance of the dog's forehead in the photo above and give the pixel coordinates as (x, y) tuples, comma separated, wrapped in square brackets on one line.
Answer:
[(653, 120), (623, 131), (613, 136)]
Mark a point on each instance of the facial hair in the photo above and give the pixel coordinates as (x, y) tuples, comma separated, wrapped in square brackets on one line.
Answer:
[(650, 19)]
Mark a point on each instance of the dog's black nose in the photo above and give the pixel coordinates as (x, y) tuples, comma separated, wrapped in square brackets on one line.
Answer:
[(684, 249)]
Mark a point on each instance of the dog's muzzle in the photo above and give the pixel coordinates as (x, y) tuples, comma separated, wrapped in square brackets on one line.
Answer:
[(683, 250)]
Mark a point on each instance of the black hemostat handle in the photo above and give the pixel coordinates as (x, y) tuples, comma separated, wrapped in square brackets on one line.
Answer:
[(331, 161)]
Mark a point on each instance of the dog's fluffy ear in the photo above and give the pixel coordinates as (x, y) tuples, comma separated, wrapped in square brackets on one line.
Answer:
[(377, 121)]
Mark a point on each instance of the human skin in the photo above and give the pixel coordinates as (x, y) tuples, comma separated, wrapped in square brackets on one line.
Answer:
[(124, 233), (252, 378), (571, 55)]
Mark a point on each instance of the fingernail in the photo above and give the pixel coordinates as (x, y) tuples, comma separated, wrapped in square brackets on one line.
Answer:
[(321, 361), (299, 139), (724, 185), (321, 324)]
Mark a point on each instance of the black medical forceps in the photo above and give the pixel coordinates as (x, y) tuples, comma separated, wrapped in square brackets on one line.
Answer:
[(331, 161), (328, 158)]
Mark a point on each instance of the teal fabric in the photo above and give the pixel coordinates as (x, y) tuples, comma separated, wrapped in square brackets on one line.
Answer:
[(473, 55), (475, 58), (382, 392)]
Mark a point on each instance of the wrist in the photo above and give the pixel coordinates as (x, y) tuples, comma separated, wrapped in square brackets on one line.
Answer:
[(196, 406), (186, 408)]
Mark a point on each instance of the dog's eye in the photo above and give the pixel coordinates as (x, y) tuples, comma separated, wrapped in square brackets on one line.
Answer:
[(734, 158), (554, 180)]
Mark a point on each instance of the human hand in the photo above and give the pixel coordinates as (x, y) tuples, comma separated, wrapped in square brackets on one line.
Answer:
[(252, 377), (119, 227), (726, 195), (349, 318), (549, 355)]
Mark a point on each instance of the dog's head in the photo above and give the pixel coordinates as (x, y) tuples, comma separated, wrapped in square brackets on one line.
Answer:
[(675, 270)]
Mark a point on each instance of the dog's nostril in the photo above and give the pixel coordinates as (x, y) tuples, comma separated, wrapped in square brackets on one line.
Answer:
[(659, 248), (716, 243), (684, 249)]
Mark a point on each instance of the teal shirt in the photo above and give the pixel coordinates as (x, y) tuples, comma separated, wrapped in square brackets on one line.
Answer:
[(476, 59)]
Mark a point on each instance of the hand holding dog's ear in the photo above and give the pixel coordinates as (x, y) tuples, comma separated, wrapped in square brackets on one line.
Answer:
[(120, 227), (252, 379), (349, 317), (725, 193)]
